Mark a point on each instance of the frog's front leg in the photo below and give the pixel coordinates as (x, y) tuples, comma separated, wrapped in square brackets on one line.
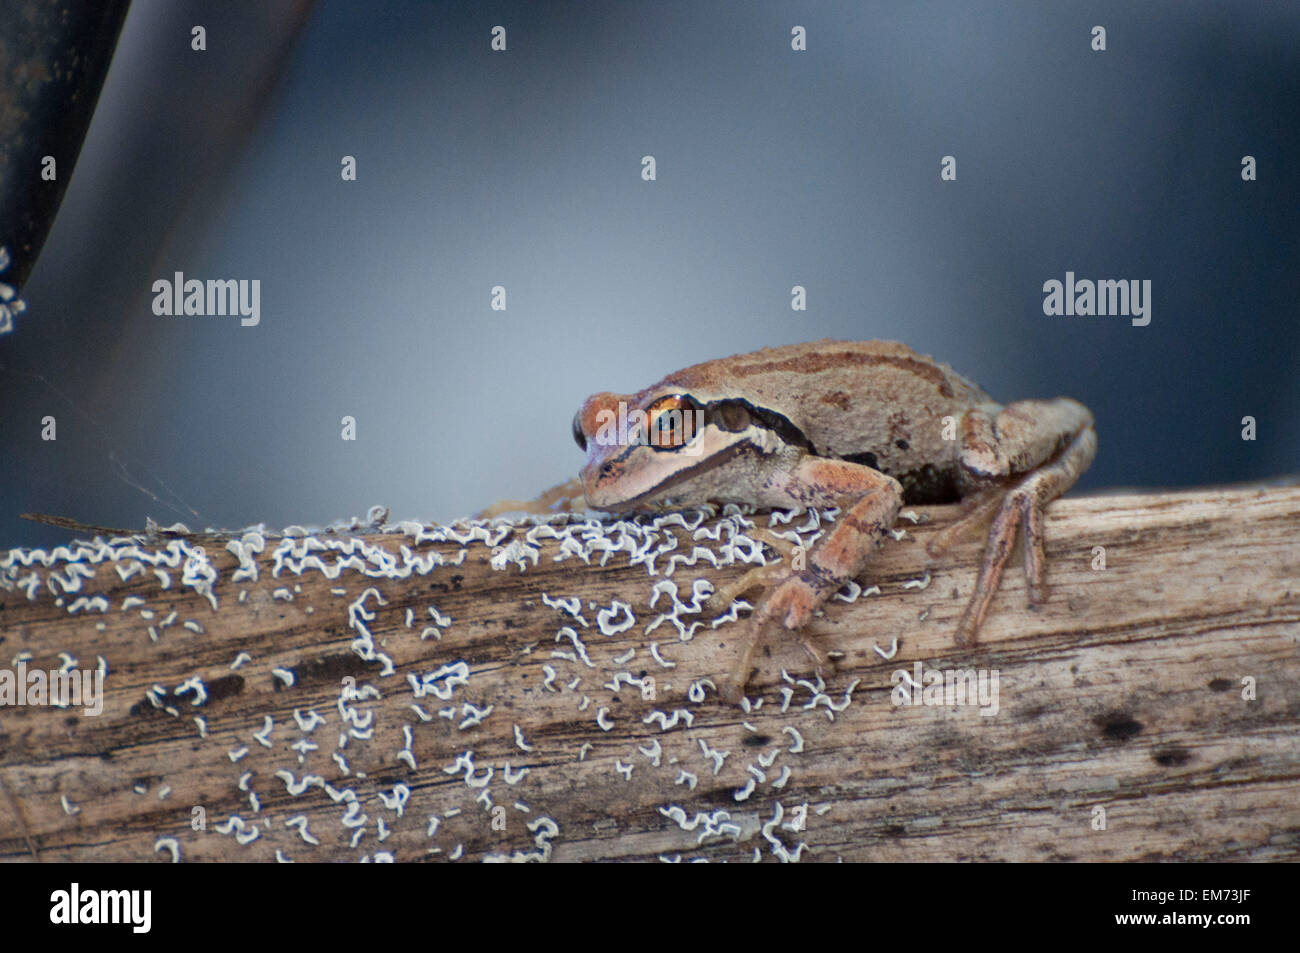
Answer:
[(869, 503), (1033, 451)]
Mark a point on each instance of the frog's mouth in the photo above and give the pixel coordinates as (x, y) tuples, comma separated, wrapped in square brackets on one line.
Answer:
[(605, 482)]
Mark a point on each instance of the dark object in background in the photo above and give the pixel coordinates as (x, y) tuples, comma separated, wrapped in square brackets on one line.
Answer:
[(53, 60)]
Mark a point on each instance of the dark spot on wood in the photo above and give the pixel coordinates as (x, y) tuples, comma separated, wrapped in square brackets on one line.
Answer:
[(1118, 726), (1172, 757), (865, 459), (756, 741), (902, 445), (224, 687), (71, 721), (837, 399), (1220, 685), (329, 668), (455, 583), (895, 830), (718, 797), (1031, 714), (144, 709)]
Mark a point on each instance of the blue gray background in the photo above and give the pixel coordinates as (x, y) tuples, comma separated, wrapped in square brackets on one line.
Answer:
[(522, 169)]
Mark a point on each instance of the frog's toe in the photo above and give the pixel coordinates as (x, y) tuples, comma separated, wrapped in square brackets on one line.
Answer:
[(821, 660), (762, 576), (730, 691)]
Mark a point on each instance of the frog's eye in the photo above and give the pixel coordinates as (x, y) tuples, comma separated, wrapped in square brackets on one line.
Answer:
[(672, 421), (579, 437)]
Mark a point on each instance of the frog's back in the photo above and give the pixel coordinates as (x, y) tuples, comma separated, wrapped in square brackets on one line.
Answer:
[(873, 402)]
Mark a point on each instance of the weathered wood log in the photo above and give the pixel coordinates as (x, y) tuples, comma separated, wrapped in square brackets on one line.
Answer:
[(511, 691)]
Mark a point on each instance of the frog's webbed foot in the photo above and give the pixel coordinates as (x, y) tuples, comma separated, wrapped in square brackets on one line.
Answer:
[(789, 604), (1023, 505), (770, 578), (764, 577)]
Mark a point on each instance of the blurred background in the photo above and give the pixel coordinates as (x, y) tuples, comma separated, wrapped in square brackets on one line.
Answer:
[(523, 168)]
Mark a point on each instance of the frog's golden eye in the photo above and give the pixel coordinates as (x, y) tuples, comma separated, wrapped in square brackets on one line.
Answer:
[(672, 421)]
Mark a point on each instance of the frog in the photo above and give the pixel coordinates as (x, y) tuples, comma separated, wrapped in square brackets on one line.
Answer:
[(865, 427)]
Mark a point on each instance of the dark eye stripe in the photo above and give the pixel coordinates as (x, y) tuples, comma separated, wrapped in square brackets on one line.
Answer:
[(720, 411)]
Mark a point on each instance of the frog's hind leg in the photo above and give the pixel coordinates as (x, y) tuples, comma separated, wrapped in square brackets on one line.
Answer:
[(1045, 445), (978, 510)]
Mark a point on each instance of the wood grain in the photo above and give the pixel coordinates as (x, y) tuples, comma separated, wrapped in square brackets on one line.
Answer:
[(1148, 712)]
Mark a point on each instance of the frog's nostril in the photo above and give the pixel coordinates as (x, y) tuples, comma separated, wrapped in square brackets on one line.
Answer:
[(579, 437)]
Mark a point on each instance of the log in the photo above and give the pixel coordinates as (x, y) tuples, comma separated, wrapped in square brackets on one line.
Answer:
[(532, 691)]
